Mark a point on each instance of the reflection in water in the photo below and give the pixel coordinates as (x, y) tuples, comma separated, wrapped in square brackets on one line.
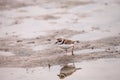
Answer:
[(29, 70), (49, 66), (67, 70), (106, 69)]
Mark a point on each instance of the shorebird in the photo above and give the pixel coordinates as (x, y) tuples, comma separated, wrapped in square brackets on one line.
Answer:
[(66, 44)]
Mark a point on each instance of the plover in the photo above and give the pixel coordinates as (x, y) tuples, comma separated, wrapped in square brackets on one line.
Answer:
[(66, 44)]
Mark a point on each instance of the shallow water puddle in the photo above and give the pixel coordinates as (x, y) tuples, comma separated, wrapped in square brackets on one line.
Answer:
[(103, 49), (40, 47), (3, 53), (85, 51), (102, 69)]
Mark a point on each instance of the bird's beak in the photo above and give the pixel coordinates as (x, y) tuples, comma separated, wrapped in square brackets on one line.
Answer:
[(58, 75), (56, 42)]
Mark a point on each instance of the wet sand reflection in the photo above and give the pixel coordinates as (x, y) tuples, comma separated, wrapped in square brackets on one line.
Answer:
[(67, 70)]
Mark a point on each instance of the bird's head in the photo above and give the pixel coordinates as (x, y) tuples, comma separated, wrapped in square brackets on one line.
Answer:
[(59, 40)]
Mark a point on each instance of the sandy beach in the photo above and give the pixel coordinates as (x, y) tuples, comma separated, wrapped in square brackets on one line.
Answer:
[(29, 29)]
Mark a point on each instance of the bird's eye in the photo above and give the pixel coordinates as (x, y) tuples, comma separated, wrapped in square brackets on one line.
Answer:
[(59, 41)]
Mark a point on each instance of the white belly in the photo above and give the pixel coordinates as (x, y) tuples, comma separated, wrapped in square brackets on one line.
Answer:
[(66, 46)]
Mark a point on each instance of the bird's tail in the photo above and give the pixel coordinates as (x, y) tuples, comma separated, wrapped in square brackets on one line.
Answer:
[(78, 68)]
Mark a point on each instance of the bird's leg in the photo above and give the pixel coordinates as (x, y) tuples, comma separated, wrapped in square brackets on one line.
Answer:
[(73, 64), (72, 50), (66, 51)]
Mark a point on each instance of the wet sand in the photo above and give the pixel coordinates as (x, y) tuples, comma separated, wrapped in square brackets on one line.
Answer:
[(28, 31), (23, 51), (102, 69)]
